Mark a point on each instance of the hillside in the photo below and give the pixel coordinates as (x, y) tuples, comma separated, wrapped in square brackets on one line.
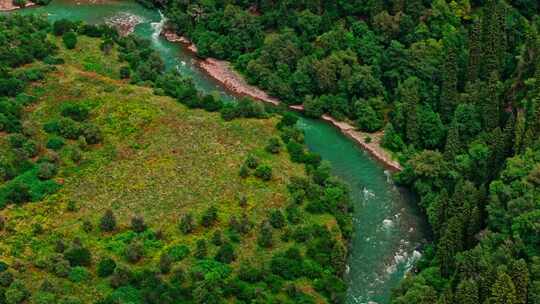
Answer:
[(131, 197)]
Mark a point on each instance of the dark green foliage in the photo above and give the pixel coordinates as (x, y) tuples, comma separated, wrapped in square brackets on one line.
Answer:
[(134, 252), (225, 253), (108, 221), (201, 249), (75, 111), (46, 170), (186, 223), (165, 263), (77, 255), (137, 224), (55, 143), (209, 216), (263, 172), (70, 39), (276, 219), (265, 235), (273, 146), (62, 26), (106, 267)]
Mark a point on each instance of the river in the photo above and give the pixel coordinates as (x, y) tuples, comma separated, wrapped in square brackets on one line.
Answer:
[(388, 225)]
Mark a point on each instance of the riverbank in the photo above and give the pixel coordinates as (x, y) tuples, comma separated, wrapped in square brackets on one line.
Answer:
[(222, 72), (7, 5)]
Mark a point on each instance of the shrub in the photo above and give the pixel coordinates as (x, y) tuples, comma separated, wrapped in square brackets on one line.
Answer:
[(209, 217), (46, 170), (134, 252), (77, 255), (186, 223), (75, 111), (265, 235), (78, 274), (273, 146), (264, 172), (55, 143), (30, 148), (217, 238), (165, 263), (16, 293), (108, 221), (225, 253), (296, 151), (276, 219), (125, 72), (122, 276), (106, 267), (92, 134), (18, 193), (62, 26), (244, 171), (2, 225), (251, 162), (178, 252), (6, 278), (70, 40), (137, 224), (211, 103), (66, 128), (200, 249)]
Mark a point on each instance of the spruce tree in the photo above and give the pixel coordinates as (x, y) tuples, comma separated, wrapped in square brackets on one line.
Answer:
[(453, 143), (450, 244), (520, 277), (467, 293), (491, 103), (449, 94), (475, 52), (519, 133), (503, 291), (410, 97)]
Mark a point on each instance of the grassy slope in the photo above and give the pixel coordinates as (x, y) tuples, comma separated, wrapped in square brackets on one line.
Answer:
[(158, 160)]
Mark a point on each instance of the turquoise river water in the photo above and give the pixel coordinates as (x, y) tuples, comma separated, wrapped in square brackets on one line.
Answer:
[(388, 226)]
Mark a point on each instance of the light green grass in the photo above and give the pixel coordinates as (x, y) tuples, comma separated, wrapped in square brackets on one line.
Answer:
[(158, 159)]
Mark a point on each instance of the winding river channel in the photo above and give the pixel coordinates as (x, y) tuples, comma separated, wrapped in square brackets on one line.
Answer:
[(388, 226)]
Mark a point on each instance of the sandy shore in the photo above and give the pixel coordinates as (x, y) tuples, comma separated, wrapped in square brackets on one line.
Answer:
[(230, 79), (7, 5)]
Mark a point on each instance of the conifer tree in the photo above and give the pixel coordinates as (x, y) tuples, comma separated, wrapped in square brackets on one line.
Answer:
[(519, 133), (503, 291), (449, 94), (467, 293), (520, 277), (491, 103), (450, 243), (410, 97), (453, 144), (475, 52)]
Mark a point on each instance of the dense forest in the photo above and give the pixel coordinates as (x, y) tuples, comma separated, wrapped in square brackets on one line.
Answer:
[(455, 85), (62, 118)]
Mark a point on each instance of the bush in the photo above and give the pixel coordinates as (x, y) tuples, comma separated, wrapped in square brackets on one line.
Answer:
[(200, 249), (125, 72), (70, 40), (209, 217), (211, 103), (264, 172), (106, 267), (276, 219), (92, 134), (296, 151), (137, 224), (75, 111), (78, 274), (244, 171), (77, 255), (165, 263), (108, 221), (16, 293), (265, 235), (251, 162), (134, 252), (186, 223), (46, 170), (225, 253), (273, 146), (55, 143), (6, 278), (178, 252), (3, 266), (217, 238), (62, 26)]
